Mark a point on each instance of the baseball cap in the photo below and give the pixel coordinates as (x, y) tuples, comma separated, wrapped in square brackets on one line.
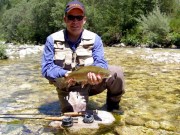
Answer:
[(74, 4)]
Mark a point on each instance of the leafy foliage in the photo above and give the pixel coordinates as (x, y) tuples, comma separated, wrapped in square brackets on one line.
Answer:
[(2, 52), (155, 27), (41, 16), (15, 22), (115, 21)]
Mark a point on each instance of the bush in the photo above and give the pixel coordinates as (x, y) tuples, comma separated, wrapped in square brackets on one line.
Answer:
[(3, 52), (174, 39), (130, 39), (174, 36), (155, 28)]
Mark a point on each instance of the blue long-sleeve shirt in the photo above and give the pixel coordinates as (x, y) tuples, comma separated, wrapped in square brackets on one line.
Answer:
[(51, 71)]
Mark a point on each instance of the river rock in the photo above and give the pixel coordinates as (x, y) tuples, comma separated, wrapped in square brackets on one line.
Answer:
[(56, 124), (134, 130), (152, 124), (104, 117), (135, 121), (140, 130), (167, 125), (11, 129), (25, 86), (15, 51)]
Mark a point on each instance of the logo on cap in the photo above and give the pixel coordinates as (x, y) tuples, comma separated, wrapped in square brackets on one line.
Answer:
[(74, 4)]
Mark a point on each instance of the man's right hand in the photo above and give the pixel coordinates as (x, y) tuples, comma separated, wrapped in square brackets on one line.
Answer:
[(70, 81), (67, 73)]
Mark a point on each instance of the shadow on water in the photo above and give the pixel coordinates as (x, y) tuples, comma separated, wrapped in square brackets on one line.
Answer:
[(52, 108)]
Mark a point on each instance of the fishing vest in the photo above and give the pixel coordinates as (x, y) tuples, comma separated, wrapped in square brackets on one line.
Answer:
[(66, 58)]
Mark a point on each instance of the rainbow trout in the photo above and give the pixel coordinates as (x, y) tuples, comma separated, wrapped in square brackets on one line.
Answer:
[(80, 75)]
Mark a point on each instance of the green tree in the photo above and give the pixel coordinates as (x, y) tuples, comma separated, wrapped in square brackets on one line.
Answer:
[(57, 14), (174, 36), (114, 21), (15, 23), (168, 6), (41, 13)]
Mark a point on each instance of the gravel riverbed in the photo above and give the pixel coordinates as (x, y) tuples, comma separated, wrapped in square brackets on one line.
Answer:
[(151, 102)]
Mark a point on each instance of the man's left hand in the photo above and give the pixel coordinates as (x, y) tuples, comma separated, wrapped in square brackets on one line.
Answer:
[(93, 78)]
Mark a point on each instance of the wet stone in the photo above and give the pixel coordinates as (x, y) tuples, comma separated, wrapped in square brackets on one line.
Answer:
[(12, 129), (104, 117), (140, 130), (56, 124), (167, 126), (135, 130), (25, 86), (135, 121), (1, 73), (152, 124)]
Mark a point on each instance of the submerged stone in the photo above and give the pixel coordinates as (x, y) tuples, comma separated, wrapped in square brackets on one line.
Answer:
[(136, 121), (152, 124), (167, 126)]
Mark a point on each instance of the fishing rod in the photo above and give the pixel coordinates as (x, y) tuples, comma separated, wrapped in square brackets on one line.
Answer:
[(61, 114), (42, 113), (45, 118), (58, 118)]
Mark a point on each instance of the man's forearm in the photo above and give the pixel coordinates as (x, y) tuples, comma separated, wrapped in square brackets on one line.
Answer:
[(49, 69)]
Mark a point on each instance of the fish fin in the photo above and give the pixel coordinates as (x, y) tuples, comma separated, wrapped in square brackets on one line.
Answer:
[(60, 82), (82, 85), (78, 68)]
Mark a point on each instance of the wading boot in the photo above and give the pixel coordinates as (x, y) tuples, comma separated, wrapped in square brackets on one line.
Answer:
[(114, 107)]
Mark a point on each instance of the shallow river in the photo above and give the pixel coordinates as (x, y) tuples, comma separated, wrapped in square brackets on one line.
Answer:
[(151, 102)]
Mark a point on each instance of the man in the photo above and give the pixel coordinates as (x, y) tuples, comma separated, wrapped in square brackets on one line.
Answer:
[(76, 46)]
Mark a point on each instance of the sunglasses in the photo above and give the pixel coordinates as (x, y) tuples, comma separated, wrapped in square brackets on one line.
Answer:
[(72, 18)]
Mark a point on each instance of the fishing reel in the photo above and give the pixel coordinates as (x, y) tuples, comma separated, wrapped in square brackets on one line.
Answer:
[(88, 118), (67, 122)]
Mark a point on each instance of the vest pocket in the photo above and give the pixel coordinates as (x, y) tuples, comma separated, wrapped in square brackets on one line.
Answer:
[(59, 45), (59, 59), (83, 55), (68, 61)]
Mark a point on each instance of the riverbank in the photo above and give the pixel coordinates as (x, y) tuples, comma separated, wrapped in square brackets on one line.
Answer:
[(154, 55), (21, 51)]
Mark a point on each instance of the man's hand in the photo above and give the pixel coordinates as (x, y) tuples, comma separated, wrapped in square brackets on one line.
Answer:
[(67, 73), (93, 78), (70, 81)]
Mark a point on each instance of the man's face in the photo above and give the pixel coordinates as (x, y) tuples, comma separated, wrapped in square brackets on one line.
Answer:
[(75, 21)]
